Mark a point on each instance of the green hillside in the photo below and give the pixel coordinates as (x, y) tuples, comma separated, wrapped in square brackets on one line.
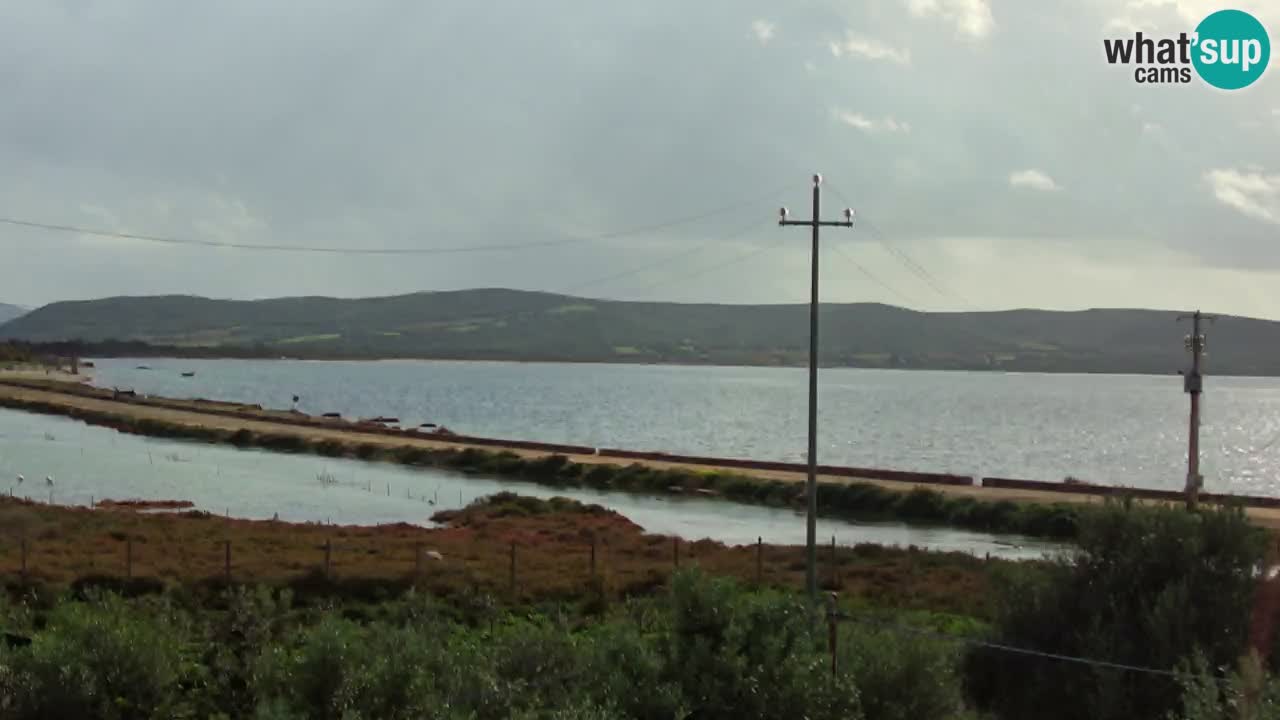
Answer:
[(516, 325)]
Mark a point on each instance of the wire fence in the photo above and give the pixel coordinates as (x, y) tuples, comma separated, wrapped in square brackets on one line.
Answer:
[(123, 562)]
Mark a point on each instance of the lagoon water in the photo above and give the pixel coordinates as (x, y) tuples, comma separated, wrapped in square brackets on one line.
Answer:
[(90, 463), (1117, 429)]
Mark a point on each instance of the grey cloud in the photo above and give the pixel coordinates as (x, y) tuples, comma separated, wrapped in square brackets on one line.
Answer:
[(389, 124)]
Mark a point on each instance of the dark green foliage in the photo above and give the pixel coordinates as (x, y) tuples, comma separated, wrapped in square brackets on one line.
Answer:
[(901, 680), (101, 659), (1147, 586), (242, 438), (708, 650)]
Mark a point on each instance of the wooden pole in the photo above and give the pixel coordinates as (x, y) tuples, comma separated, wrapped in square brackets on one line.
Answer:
[(513, 570), (759, 561), (833, 631), (226, 566), (834, 575)]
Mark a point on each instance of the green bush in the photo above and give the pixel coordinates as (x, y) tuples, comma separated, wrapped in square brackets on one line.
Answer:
[(1148, 586), (902, 677), (97, 660)]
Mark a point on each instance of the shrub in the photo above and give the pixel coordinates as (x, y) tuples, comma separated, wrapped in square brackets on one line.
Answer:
[(902, 677), (1148, 586), (101, 659)]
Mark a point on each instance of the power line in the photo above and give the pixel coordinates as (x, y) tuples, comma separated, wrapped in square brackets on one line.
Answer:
[(1000, 647), (663, 261), (871, 276), (348, 250), (910, 263), (740, 257)]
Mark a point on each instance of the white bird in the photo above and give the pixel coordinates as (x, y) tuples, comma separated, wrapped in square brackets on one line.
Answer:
[(20, 478), (48, 480)]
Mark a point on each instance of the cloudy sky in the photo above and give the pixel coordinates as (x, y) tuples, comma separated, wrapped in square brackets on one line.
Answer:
[(640, 149)]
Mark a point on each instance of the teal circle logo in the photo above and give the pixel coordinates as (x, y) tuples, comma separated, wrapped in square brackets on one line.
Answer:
[(1231, 49)]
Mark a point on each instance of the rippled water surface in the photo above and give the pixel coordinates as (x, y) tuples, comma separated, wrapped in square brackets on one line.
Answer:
[(1120, 429), (91, 463)]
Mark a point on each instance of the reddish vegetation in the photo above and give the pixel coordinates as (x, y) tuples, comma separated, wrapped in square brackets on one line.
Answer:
[(553, 549)]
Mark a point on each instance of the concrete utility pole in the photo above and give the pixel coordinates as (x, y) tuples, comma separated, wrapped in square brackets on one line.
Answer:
[(1193, 384), (811, 564)]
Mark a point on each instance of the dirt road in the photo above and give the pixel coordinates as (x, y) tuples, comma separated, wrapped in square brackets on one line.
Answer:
[(197, 413)]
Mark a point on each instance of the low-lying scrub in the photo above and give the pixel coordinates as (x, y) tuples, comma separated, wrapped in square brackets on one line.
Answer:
[(1167, 594)]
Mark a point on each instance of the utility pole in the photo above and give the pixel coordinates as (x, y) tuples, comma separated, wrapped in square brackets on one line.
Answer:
[(811, 540), (1193, 384)]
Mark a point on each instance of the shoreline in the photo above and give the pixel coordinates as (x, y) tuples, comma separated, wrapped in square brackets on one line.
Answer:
[(845, 495), (89, 350)]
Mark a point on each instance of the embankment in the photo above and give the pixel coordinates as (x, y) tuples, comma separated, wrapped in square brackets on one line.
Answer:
[(843, 492)]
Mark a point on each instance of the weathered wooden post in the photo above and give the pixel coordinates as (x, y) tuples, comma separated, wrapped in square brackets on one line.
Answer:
[(513, 570), (833, 630), (834, 576), (759, 561)]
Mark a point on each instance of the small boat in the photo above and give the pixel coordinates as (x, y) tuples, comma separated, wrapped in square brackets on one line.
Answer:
[(142, 367), (188, 374)]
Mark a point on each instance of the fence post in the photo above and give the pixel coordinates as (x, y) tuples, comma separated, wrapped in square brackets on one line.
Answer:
[(759, 560), (226, 568), (833, 630), (328, 554), (835, 578), (128, 558), (675, 551), (513, 570)]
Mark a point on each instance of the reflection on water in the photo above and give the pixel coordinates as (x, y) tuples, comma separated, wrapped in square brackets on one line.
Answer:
[(1119, 429), (88, 463)]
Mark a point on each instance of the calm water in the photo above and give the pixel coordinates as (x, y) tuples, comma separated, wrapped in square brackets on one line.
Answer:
[(1119, 429), (89, 463)]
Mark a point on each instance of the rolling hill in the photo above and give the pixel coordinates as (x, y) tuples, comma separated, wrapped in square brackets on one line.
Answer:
[(494, 324)]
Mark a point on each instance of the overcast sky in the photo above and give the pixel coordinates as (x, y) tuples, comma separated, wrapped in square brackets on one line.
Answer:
[(999, 160)]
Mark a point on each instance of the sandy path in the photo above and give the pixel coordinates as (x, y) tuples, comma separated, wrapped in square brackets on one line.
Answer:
[(188, 413)]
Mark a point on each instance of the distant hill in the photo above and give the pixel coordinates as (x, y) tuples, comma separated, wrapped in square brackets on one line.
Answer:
[(516, 325), (9, 312)]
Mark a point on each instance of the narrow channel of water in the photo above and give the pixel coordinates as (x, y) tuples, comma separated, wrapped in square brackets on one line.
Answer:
[(88, 463)]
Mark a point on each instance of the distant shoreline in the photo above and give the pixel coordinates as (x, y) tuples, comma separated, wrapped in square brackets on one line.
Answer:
[(96, 352)]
